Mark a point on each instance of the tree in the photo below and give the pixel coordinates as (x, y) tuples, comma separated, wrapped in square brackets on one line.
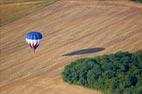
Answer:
[(118, 73)]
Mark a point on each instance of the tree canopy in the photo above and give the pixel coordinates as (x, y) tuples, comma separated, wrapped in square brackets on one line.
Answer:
[(118, 73)]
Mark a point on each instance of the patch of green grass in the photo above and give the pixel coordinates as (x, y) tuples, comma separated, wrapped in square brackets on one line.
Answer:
[(22, 1), (119, 73), (15, 10)]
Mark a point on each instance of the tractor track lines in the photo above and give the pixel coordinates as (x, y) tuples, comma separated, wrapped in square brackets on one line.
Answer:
[(67, 26)]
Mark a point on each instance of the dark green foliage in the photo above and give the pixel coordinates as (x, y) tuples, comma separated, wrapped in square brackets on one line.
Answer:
[(119, 73), (137, 1)]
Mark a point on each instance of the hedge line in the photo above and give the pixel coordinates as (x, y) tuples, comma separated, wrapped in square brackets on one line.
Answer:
[(140, 1)]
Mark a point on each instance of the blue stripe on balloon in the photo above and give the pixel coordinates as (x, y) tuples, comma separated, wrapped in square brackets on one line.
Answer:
[(34, 35)]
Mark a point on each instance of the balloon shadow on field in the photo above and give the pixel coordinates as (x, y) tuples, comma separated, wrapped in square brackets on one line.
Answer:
[(84, 51)]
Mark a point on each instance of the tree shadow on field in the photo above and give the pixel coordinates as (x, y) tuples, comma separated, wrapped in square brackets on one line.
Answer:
[(84, 51)]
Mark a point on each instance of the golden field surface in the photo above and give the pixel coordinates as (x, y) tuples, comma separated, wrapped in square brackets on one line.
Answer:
[(67, 26), (12, 10)]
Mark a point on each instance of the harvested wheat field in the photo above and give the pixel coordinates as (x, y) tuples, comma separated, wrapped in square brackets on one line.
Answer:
[(67, 26)]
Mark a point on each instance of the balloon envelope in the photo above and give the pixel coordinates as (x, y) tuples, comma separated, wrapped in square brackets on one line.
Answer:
[(33, 39)]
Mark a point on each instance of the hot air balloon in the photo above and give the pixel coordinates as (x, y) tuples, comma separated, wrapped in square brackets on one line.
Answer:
[(33, 39)]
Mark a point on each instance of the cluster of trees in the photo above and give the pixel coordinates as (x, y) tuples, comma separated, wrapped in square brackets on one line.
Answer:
[(138, 1), (119, 73)]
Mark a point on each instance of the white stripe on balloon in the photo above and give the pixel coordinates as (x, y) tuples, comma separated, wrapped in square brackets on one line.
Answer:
[(29, 41)]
